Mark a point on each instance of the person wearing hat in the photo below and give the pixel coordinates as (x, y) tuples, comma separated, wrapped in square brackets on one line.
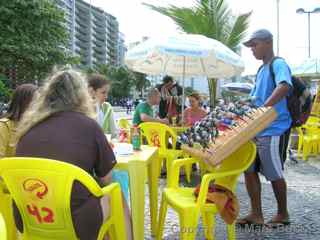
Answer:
[(272, 142)]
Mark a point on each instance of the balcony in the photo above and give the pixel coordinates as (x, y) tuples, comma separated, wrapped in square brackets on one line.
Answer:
[(83, 7), (82, 38), (99, 23), (99, 43), (100, 58), (83, 31), (83, 56), (82, 44), (98, 51), (99, 30), (83, 20), (111, 43), (82, 51), (82, 13), (98, 17), (98, 37)]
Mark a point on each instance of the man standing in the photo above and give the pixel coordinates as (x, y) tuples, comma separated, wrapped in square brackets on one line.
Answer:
[(144, 111), (273, 141), (171, 98)]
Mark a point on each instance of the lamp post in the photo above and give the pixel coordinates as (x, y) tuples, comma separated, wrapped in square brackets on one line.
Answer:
[(301, 11)]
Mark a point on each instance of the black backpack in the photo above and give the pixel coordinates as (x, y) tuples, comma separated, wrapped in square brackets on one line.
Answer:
[(299, 102)]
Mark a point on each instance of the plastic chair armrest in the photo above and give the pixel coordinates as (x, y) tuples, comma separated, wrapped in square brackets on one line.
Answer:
[(173, 178), (175, 154), (110, 188)]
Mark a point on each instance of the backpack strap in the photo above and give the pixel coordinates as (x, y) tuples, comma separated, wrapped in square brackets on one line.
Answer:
[(273, 76), (270, 69)]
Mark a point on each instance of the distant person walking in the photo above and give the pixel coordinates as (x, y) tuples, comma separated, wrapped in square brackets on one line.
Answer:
[(129, 105)]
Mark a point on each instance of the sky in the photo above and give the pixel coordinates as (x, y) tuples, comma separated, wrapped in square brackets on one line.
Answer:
[(136, 21)]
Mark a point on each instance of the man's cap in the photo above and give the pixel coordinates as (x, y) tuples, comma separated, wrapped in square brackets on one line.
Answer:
[(261, 34)]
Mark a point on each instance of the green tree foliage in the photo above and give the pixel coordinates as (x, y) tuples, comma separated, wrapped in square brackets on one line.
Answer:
[(5, 92), (122, 79), (140, 82), (33, 39), (211, 18)]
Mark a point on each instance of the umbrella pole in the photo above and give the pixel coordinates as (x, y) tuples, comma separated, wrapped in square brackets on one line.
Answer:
[(183, 78)]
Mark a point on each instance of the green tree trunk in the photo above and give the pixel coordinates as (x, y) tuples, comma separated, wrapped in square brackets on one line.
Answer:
[(212, 83)]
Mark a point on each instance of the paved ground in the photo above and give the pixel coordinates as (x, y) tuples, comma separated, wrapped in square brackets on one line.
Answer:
[(303, 180)]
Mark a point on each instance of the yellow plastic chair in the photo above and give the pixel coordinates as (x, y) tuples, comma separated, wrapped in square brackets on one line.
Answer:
[(183, 201), (41, 189), (308, 142), (312, 120), (124, 123), (157, 134), (3, 231), (7, 212)]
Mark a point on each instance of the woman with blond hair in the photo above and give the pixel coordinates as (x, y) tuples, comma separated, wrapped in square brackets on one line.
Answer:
[(60, 125)]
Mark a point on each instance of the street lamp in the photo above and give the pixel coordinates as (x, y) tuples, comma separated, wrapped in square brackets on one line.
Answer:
[(301, 11)]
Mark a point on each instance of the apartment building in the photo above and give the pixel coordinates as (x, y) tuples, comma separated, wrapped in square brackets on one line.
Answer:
[(93, 33), (121, 49)]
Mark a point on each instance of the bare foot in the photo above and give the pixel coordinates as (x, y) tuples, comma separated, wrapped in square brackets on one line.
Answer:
[(251, 219), (279, 219)]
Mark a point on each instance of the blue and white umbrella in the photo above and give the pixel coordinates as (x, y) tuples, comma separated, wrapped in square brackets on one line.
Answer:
[(184, 55), (308, 68)]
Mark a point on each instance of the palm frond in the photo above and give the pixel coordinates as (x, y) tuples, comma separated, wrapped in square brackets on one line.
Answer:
[(211, 18), (183, 17), (238, 31)]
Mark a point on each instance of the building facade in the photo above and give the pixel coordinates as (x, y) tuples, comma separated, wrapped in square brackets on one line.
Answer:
[(121, 49), (93, 33)]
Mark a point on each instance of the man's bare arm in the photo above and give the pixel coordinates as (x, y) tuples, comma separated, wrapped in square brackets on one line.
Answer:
[(278, 93)]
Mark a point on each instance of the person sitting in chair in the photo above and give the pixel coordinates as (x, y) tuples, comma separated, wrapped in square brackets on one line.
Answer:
[(60, 125), (195, 112), (144, 111)]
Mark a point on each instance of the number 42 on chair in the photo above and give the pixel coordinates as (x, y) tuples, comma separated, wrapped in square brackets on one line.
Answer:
[(47, 213)]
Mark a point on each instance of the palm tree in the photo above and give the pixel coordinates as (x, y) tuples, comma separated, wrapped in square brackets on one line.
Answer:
[(213, 19)]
